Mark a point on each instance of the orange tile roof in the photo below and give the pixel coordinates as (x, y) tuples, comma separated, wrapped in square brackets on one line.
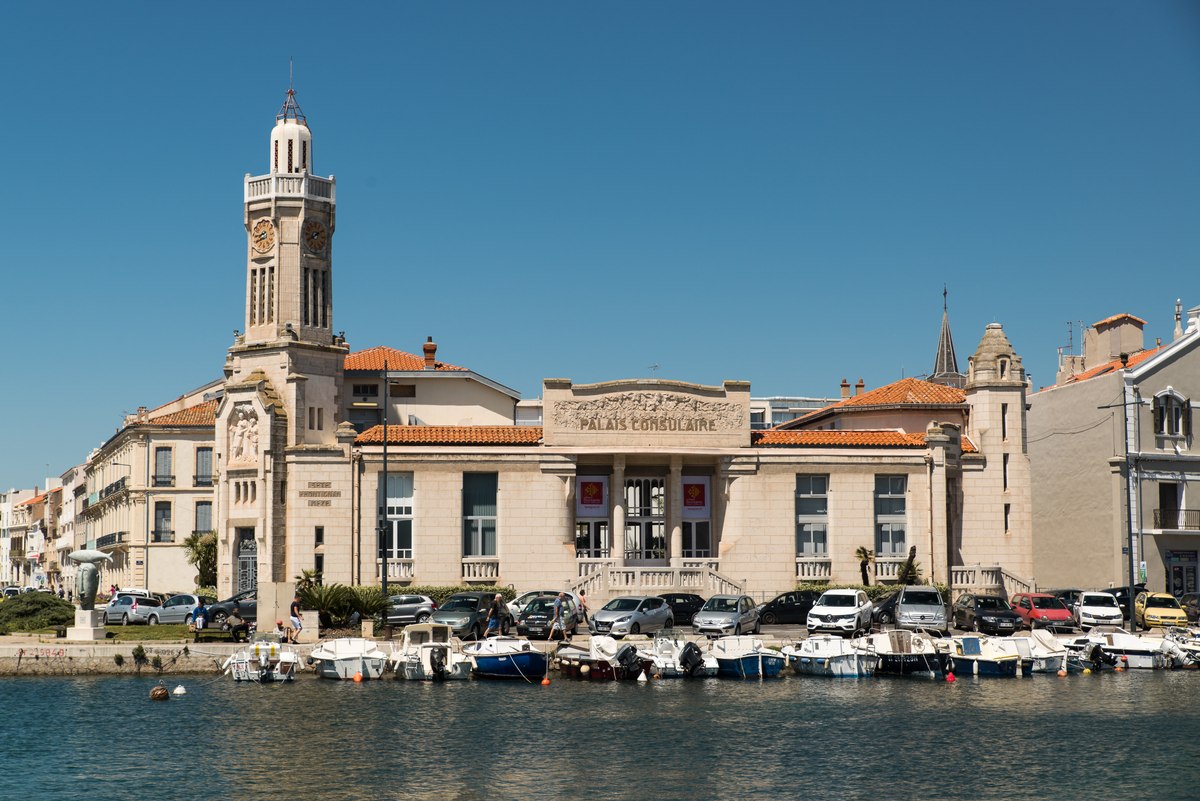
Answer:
[(905, 392), (845, 439), (372, 359), (1115, 317), (1134, 360), (452, 435), (202, 414), (35, 499)]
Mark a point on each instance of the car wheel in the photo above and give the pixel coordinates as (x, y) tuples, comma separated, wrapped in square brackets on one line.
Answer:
[(635, 629), (737, 630), (124, 620), (886, 617), (423, 617), (219, 618), (975, 625), (769, 618), (757, 627), (152, 620), (105, 618), (187, 619), (670, 623)]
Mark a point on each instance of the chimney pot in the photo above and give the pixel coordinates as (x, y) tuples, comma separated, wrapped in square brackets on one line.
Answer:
[(430, 350), (859, 387), (845, 388)]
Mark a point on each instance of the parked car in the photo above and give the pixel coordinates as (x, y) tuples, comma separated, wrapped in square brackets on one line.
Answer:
[(726, 614), (126, 609), (247, 601), (790, 607), (884, 610), (990, 614), (405, 609), (517, 605), (846, 612), (1190, 601), (177, 609), (921, 607), (1158, 609), (12, 592), (1042, 610), (1122, 596), (466, 613), (1096, 609), (538, 616), (632, 614), (684, 605)]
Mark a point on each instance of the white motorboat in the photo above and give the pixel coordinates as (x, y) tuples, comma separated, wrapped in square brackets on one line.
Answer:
[(673, 656), (905, 653), (976, 655), (348, 657), (830, 655), (1042, 652), (746, 657), (605, 659), (430, 651), (264, 659), (1108, 645)]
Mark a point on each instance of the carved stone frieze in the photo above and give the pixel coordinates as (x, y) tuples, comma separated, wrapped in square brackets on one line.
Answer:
[(648, 411)]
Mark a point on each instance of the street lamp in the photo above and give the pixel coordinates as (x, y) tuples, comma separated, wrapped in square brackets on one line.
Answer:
[(384, 544), (1129, 478)]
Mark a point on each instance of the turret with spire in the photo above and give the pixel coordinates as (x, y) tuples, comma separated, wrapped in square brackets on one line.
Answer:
[(945, 365)]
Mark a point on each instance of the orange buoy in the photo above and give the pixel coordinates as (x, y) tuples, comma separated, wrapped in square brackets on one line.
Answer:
[(545, 681), (358, 677), (1062, 673)]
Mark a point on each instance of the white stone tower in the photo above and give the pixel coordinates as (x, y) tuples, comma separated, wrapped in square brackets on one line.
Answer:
[(277, 439)]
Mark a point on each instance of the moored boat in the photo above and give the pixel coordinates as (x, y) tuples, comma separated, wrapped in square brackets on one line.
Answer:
[(1042, 652), (347, 657), (265, 659), (829, 655), (506, 658), (429, 652), (745, 657), (604, 659), (987, 657), (904, 653), (673, 656), (1122, 649)]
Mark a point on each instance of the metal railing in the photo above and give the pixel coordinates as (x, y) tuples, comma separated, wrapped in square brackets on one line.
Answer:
[(164, 481), (162, 536), (1177, 519), (111, 540), (202, 481)]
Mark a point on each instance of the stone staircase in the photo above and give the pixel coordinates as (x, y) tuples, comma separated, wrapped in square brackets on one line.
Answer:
[(606, 581)]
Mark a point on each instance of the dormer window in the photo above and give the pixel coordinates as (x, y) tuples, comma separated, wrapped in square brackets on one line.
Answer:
[(1172, 416), (1004, 368)]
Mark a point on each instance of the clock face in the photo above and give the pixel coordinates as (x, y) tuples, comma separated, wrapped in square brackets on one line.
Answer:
[(262, 236), (315, 235)]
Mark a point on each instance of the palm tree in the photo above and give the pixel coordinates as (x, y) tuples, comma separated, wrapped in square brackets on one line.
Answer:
[(865, 557), (307, 579), (201, 549), (910, 571)]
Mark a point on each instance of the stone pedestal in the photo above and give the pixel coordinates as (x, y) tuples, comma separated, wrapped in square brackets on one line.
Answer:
[(88, 626), (368, 629)]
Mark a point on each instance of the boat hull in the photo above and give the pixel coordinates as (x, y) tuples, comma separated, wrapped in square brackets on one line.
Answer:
[(750, 666), (842, 666), (984, 668), (588, 669), (521, 665), (346, 668), (927, 665)]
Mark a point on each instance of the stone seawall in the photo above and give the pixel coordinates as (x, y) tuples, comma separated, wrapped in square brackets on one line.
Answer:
[(56, 658)]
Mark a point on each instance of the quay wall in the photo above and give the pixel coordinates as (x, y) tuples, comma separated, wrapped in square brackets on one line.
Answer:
[(51, 657)]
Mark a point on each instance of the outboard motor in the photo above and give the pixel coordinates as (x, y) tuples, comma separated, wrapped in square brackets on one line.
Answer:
[(690, 659), (437, 662), (628, 659), (1098, 657)]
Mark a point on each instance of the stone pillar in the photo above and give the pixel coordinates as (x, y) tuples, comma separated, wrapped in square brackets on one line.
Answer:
[(675, 510), (616, 492)]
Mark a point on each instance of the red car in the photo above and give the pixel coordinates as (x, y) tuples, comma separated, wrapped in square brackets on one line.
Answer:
[(1042, 610)]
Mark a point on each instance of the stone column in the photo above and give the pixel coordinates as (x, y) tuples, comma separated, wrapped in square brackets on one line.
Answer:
[(675, 510), (616, 494)]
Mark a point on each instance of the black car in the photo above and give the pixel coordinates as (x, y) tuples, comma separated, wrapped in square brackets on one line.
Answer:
[(987, 613), (537, 618), (247, 601), (1190, 601), (684, 605), (790, 607), (1122, 595), (884, 610)]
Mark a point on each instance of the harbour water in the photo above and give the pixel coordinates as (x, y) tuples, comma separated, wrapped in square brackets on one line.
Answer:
[(1131, 735)]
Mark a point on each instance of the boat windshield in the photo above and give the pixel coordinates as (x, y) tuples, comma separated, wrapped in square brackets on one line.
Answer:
[(830, 599), (461, 603), (1162, 602), (1099, 600), (622, 605), (718, 604), (1047, 603), (922, 598), (986, 602)]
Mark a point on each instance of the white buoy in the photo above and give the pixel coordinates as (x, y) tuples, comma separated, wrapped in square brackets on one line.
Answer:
[(180, 690)]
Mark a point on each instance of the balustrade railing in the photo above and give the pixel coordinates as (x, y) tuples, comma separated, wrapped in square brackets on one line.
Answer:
[(813, 568), (290, 185), (480, 568), (887, 568), (398, 569)]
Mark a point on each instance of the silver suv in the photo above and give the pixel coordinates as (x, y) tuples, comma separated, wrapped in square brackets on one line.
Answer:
[(921, 607), (128, 609)]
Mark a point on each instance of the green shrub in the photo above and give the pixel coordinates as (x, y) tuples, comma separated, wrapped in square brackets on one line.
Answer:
[(119, 659), (874, 592), (440, 593), (139, 655), (31, 611)]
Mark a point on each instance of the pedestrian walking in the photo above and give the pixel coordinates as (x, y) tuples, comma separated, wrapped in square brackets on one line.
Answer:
[(495, 614), (295, 620), (583, 607), (559, 622)]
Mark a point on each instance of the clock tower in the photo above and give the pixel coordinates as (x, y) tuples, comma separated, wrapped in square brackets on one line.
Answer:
[(278, 440)]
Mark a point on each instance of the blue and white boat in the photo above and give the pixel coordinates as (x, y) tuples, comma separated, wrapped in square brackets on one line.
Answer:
[(830, 655), (745, 657), (506, 658), (982, 656)]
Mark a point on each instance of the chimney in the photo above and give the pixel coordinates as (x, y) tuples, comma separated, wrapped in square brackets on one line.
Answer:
[(141, 414), (859, 387), (430, 349), (845, 388)]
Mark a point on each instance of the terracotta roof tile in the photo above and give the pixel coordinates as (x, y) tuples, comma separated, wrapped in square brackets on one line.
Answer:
[(1134, 360), (202, 414), (905, 392), (372, 359), (452, 435), (838, 439), (1115, 317), (35, 499)]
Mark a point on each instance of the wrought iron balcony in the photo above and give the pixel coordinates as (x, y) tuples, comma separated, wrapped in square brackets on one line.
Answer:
[(114, 540), (164, 481), (203, 481), (1177, 519)]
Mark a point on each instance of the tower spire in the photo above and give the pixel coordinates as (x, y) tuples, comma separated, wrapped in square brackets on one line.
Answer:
[(945, 363)]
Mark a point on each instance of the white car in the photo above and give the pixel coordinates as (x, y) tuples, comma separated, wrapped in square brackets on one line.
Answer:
[(1097, 609), (846, 612)]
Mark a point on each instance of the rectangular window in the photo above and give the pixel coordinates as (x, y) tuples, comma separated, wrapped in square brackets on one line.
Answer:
[(319, 562), (890, 508), (1004, 421), (812, 515), (479, 513), (320, 418), (304, 298), (162, 522), (697, 539), (402, 390), (203, 516), (289, 155), (365, 390), (395, 512), (204, 473), (163, 477), (319, 535), (1005, 462), (1007, 514), (303, 155)]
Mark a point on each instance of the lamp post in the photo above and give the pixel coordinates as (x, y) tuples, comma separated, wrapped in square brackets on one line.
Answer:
[(1129, 478), (383, 521)]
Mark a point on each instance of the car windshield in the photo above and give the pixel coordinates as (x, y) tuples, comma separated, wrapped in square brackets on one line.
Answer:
[(922, 598), (829, 599), (539, 605), (720, 605), (1099, 600), (461, 603), (988, 603), (1047, 603), (622, 605), (1162, 602)]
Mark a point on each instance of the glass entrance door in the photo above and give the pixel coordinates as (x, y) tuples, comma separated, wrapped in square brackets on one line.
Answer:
[(247, 560), (591, 539), (645, 519), (1181, 572)]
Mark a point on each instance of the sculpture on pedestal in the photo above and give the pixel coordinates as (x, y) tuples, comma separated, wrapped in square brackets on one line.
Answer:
[(87, 576)]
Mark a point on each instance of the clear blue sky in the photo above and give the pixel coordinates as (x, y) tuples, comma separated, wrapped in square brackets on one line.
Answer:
[(773, 192)]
